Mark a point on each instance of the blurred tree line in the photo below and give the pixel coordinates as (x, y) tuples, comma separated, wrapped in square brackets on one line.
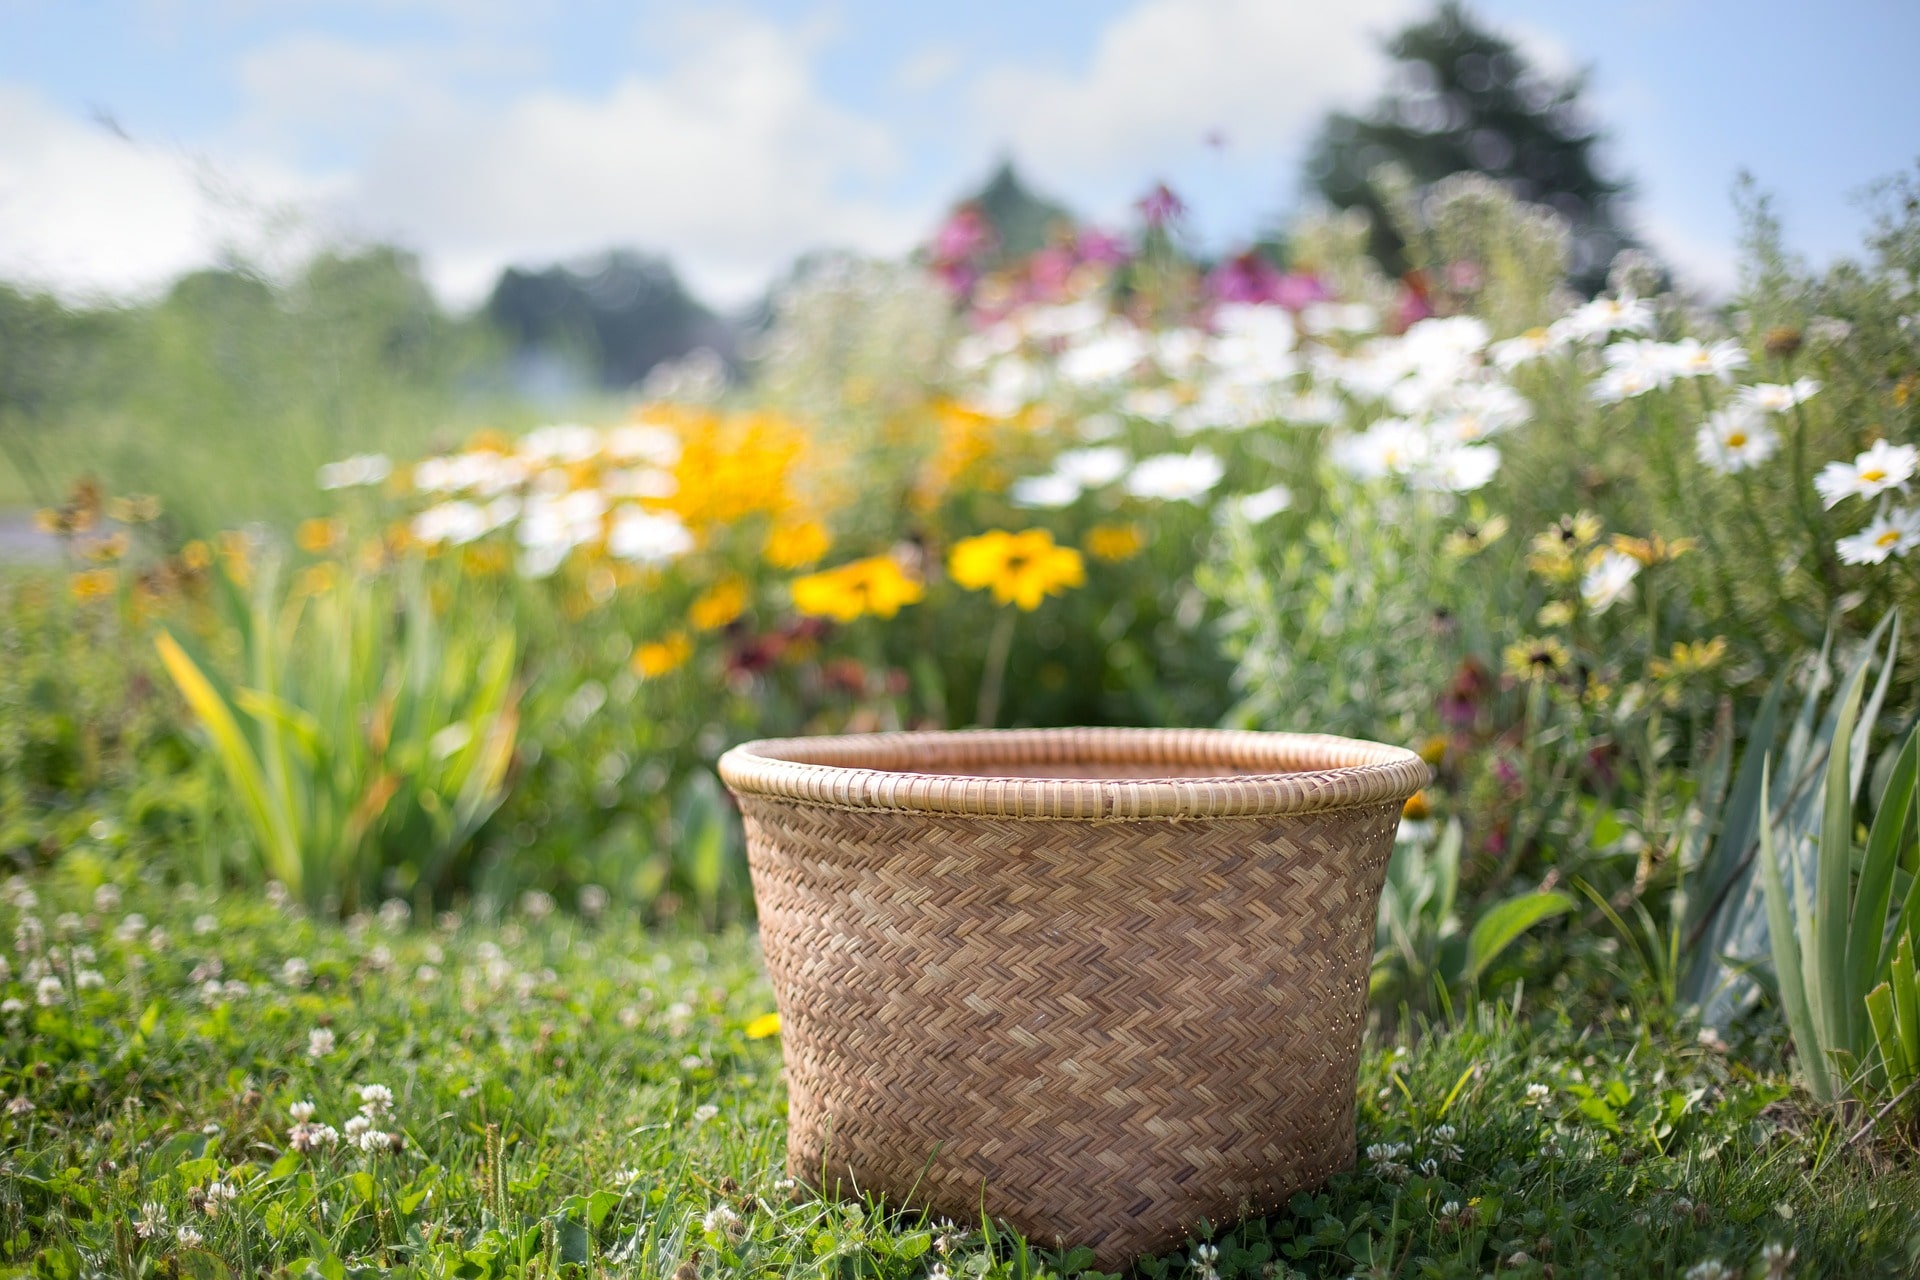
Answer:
[(226, 393)]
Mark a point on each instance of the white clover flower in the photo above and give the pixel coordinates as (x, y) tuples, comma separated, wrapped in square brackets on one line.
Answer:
[(721, 1220), (89, 980), (1881, 467), (187, 1236), (6, 970), (204, 924), (1893, 532), (1537, 1094), (219, 1194), (319, 1042), (375, 1100), (21, 1106), (1710, 1269), (131, 928), (360, 469), (356, 1127), (151, 1222), (1735, 438), (106, 898), (426, 975), (692, 1062), (301, 1112), (1778, 397), (29, 934), (626, 1177), (1608, 580), (12, 1005), (372, 1141), (48, 991), (295, 972), (705, 1112), (306, 1136)]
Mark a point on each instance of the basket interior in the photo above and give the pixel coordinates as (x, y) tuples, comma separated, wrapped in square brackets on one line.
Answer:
[(1090, 755)]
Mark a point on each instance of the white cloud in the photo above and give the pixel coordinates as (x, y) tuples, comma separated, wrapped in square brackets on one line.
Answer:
[(1166, 73), (731, 159), (86, 211)]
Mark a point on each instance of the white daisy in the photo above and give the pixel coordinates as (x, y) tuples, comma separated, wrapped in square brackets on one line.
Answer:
[(1778, 397), (1176, 477), (1692, 360), (1608, 580), (1892, 533), (1603, 316), (1882, 467), (1092, 467), (361, 469), (647, 537), (1735, 438), (1046, 491), (1511, 353), (455, 522), (1257, 508)]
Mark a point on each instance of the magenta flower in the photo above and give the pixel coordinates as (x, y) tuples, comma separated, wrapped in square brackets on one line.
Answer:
[(1160, 206)]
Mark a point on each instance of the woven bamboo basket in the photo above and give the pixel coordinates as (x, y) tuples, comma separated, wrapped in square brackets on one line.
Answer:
[(1103, 983)]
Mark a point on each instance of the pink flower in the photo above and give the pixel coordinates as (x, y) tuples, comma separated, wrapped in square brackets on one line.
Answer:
[(1245, 278), (1160, 206)]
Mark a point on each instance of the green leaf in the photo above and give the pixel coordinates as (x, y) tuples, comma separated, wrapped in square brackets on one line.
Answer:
[(1499, 927), (1786, 960), (1875, 891)]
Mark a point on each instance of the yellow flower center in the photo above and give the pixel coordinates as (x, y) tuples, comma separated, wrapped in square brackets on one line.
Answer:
[(1873, 475), (1887, 539), (1735, 439)]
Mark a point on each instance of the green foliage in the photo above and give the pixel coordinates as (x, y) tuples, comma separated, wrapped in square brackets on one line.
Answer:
[(578, 1097), (368, 742), (1832, 958), (1423, 960), (225, 395)]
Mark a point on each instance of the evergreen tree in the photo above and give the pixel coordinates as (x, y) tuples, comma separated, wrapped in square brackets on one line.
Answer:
[(1463, 98), (1022, 221), (619, 314)]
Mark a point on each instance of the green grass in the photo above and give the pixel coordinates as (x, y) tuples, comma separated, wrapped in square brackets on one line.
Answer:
[(582, 1098)]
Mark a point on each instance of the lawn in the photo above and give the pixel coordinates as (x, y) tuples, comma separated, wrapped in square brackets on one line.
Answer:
[(229, 1087)]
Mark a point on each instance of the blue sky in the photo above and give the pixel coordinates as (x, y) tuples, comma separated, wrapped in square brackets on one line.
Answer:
[(142, 137)]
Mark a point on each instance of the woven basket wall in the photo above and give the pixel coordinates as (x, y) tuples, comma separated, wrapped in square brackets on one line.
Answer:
[(1109, 982)]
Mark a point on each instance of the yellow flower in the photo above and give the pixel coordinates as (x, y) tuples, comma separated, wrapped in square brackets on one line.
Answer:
[(1434, 750), (135, 508), (1555, 613), (315, 579), (1556, 550), (876, 585), (483, 559), (1536, 658), (1416, 809), (1652, 549), (657, 657), (1689, 659), (797, 544), (1475, 536), (106, 550), (318, 535), (196, 555), (93, 584), (1019, 568), (719, 605), (767, 1024), (235, 556), (1115, 542)]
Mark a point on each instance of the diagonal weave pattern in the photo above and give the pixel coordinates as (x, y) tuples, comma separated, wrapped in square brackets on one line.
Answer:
[(1107, 1004)]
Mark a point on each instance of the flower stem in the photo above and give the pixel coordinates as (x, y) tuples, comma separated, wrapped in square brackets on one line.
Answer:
[(993, 679)]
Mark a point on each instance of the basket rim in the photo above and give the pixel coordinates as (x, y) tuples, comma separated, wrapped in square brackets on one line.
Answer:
[(1309, 773)]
